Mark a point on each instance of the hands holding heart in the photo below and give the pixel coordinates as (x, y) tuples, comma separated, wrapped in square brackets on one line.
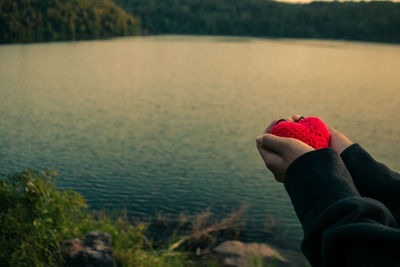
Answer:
[(285, 140)]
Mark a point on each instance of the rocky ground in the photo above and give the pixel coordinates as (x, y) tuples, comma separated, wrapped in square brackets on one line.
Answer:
[(236, 253), (94, 249)]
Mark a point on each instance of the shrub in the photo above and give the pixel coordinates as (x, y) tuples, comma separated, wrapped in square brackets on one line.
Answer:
[(35, 217)]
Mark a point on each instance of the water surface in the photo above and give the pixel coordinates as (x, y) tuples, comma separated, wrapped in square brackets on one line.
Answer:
[(168, 124)]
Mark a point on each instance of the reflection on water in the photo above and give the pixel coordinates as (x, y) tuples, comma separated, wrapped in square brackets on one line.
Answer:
[(168, 124)]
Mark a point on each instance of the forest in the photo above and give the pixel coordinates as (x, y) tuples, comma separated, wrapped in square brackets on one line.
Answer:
[(52, 20), (366, 21), (55, 20)]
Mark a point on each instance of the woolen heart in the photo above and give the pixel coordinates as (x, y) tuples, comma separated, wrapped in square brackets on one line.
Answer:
[(311, 131)]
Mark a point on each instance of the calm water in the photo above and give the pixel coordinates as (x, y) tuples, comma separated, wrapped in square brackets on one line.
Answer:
[(168, 124)]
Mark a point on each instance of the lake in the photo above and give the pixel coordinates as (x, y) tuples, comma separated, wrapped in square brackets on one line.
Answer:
[(167, 124)]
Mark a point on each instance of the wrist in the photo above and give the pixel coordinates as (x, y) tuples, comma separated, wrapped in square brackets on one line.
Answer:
[(343, 146)]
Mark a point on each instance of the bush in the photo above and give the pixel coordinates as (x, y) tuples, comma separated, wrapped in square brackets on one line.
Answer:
[(35, 217)]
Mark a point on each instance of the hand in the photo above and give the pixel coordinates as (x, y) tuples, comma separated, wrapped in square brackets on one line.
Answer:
[(295, 118), (279, 152), (339, 142)]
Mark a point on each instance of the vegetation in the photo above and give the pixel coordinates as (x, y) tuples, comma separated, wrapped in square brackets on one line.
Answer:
[(54, 20), (368, 21), (35, 217), (51, 20)]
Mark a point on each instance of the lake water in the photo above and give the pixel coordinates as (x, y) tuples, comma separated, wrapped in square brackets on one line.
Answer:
[(168, 124)]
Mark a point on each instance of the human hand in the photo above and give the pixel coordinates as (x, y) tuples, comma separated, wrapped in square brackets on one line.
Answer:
[(339, 142), (279, 152), (294, 118)]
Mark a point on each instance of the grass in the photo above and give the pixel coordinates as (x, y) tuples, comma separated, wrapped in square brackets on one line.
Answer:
[(36, 217)]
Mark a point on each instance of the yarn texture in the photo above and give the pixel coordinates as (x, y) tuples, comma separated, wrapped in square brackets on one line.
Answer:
[(311, 131)]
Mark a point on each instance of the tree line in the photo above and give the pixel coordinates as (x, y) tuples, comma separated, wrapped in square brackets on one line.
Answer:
[(52, 20), (368, 21)]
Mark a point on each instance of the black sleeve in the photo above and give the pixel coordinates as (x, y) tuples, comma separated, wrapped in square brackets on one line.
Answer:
[(341, 228), (373, 179)]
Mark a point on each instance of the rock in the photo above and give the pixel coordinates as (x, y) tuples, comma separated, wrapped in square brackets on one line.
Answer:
[(241, 249), (92, 250), (71, 247), (97, 236), (236, 253)]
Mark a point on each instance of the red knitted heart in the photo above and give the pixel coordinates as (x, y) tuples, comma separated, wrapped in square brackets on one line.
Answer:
[(311, 131)]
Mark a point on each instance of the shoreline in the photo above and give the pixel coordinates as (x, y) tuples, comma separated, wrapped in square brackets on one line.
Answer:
[(183, 36)]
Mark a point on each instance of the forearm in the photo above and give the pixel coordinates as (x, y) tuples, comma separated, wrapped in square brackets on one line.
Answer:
[(373, 179), (315, 180), (340, 227)]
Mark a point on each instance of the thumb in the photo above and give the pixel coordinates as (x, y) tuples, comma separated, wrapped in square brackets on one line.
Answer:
[(271, 142)]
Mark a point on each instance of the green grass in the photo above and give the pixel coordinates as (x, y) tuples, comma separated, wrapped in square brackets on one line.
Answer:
[(35, 217)]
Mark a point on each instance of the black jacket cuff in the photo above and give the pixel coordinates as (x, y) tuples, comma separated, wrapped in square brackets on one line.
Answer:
[(373, 179), (314, 181)]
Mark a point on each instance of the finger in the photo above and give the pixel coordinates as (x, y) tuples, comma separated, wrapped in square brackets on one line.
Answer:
[(332, 130), (271, 142), (259, 140), (296, 117), (289, 119), (272, 124), (273, 163), (271, 159), (338, 135)]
